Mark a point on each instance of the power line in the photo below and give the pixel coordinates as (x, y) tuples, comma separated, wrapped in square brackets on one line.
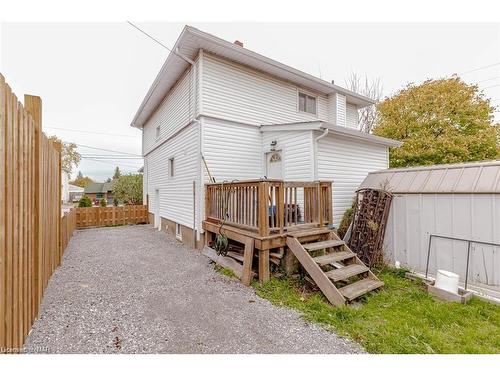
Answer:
[(480, 68), (114, 164), (150, 36), (489, 79), (110, 156), (90, 132), (489, 87), (131, 158), (161, 44), (104, 149)]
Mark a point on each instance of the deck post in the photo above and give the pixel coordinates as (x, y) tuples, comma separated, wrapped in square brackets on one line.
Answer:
[(263, 266), (319, 204), (263, 208), (280, 209)]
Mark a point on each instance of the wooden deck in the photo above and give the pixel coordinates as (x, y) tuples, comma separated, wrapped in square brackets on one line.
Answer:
[(265, 212)]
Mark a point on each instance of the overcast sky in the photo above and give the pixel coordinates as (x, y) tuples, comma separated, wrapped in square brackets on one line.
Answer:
[(93, 77)]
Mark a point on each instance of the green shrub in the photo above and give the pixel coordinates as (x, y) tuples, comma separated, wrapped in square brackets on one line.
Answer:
[(85, 202), (115, 202), (103, 202), (345, 222)]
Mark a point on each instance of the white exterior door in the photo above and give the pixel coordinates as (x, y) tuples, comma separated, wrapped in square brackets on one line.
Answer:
[(274, 166), (157, 209)]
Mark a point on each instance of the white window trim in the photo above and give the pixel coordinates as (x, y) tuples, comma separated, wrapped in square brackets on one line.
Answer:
[(299, 91), (157, 132)]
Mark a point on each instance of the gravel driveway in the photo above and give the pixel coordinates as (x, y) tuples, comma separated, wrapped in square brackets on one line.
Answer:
[(133, 289)]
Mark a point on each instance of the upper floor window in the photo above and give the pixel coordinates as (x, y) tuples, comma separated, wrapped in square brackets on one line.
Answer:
[(307, 103), (158, 132)]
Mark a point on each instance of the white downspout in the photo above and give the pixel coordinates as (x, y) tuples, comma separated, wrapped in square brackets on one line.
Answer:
[(315, 148), (325, 133)]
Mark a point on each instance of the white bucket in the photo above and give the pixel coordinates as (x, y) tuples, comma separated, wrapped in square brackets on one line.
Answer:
[(447, 280)]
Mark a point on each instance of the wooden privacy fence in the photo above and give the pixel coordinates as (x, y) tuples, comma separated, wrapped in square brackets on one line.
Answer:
[(68, 226), (108, 216), (30, 214)]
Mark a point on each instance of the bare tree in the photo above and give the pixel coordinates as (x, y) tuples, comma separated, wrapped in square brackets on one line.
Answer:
[(371, 89)]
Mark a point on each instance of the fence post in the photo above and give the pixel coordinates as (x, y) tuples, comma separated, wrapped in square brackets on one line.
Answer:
[(58, 148), (33, 104)]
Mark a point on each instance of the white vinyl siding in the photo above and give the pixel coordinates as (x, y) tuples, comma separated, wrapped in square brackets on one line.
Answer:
[(347, 162), (176, 193), (174, 112), (232, 151), (340, 110), (297, 152), (234, 92), (351, 116)]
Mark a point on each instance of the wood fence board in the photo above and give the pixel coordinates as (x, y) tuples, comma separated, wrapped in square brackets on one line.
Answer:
[(32, 240), (87, 217), (2, 211)]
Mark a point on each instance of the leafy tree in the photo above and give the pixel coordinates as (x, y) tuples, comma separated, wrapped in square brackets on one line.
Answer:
[(69, 156), (84, 202), (81, 180), (103, 202), (440, 121), (128, 188), (117, 174)]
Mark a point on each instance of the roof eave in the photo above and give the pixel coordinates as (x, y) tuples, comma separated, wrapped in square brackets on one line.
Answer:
[(153, 86), (348, 132), (326, 87)]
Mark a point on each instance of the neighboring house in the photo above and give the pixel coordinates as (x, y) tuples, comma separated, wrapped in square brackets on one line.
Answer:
[(65, 186), (75, 193), (249, 117), (99, 190)]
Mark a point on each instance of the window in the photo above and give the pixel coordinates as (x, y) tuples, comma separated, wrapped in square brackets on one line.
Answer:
[(307, 103), (178, 232), (171, 167), (99, 195), (158, 132)]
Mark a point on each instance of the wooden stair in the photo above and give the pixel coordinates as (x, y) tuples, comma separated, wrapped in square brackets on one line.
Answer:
[(339, 273)]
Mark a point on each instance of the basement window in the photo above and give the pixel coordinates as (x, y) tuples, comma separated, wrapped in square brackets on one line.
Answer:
[(178, 232), (307, 103), (158, 132)]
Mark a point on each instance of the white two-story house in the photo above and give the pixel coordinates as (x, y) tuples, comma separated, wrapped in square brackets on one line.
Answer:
[(218, 107)]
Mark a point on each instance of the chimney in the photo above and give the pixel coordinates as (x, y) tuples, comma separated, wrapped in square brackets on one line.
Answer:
[(238, 43)]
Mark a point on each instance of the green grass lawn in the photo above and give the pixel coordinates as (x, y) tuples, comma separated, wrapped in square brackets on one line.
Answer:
[(400, 318)]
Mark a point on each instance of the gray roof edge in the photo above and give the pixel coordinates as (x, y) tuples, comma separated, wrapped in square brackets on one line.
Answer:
[(224, 43), (472, 164)]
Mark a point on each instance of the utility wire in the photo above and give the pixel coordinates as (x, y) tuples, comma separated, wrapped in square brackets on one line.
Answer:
[(110, 156), (480, 68), (489, 87), (161, 44), (132, 158), (150, 36), (104, 149), (90, 132), (489, 79), (115, 164)]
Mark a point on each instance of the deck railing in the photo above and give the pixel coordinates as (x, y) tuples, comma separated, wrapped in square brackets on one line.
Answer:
[(269, 206)]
